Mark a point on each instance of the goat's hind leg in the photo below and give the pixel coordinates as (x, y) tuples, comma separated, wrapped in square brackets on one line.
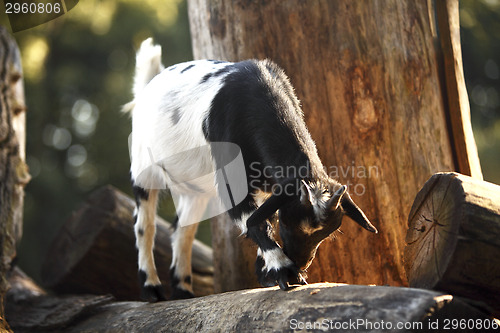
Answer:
[(189, 214), (145, 230)]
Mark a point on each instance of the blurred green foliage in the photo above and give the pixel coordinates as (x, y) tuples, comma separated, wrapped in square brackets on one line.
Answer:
[(480, 32), (78, 72)]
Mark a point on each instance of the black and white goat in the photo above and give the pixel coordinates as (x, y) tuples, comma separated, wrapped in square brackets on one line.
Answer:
[(252, 105)]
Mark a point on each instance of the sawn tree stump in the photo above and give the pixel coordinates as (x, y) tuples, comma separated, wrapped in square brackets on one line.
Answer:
[(453, 239)]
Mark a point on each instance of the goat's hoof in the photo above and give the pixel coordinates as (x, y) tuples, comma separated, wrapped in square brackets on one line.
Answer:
[(178, 293), (285, 277), (153, 294), (291, 284)]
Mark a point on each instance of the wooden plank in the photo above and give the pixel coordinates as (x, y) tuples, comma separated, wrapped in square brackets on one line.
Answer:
[(458, 110)]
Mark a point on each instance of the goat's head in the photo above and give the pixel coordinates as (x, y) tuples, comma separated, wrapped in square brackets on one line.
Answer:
[(311, 215)]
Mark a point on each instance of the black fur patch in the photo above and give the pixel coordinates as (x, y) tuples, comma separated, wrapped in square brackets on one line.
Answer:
[(259, 233), (220, 72), (264, 280), (255, 111), (175, 116), (187, 68), (141, 232), (150, 293), (174, 281), (217, 61), (177, 291), (139, 194), (206, 77), (175, 222), (204, 128), (187, 279)]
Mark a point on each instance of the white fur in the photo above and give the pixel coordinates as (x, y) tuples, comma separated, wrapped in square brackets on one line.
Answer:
[(242, 223), (148, 64), (156, 139), (274, 259)]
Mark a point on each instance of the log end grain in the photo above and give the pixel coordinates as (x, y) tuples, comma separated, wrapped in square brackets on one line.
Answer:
[(453, 238)]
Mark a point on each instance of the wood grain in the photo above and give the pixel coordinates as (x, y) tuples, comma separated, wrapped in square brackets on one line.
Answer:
[(258, 310), (453, 238)]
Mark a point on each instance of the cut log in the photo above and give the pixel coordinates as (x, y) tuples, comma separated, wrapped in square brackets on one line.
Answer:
[(22, 287), (453, 239), (94, 252), (316, 307), (51, 314), (30, 309)]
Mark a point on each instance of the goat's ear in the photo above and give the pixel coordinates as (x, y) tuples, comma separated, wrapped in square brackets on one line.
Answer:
[(268, 208), (356, 214), (336, 198), (306, 194)]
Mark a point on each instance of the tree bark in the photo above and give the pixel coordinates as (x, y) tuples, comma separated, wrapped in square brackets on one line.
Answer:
[(369, 81), (94, 252), (358, 308), (13, 169), (454, 238)]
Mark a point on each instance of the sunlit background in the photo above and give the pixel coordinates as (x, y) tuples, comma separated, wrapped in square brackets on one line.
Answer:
[(78, 72)]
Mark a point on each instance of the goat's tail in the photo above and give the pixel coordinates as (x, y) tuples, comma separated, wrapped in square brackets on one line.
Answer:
[(147, 66)]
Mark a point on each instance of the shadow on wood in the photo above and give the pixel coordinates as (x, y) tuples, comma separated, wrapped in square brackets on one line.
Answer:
[(95, 253)]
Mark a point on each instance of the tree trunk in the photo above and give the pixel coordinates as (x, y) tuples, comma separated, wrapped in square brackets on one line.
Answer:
[(314, 307), (454, 238), (94, 252), (13, 170), (369, 81)]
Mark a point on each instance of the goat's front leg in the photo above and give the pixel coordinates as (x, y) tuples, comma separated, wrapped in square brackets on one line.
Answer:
[(272, 265)]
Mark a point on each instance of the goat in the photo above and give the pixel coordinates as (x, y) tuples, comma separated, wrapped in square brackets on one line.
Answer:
[(251, 105)]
